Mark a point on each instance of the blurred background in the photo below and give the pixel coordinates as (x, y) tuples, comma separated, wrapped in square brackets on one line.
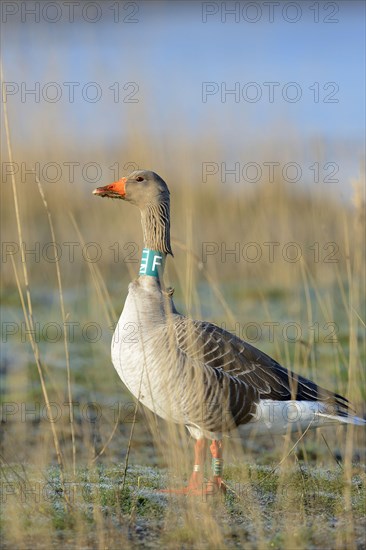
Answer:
[(253, 113)]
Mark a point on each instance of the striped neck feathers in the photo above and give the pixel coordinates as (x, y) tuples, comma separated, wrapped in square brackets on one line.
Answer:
[(155, 220)]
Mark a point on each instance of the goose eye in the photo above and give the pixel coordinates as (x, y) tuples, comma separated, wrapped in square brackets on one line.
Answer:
[(139, 178)]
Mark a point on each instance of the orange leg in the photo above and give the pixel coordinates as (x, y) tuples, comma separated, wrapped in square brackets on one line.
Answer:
[(216, 484), (195, 485), (196, 479)]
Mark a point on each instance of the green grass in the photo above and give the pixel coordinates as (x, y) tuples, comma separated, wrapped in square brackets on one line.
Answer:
[(311, 499)]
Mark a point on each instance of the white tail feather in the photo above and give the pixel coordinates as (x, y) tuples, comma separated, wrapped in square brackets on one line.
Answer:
[(279, 417)]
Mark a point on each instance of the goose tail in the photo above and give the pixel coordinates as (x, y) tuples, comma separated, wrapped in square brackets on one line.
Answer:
[(278, 417), (343, 419)]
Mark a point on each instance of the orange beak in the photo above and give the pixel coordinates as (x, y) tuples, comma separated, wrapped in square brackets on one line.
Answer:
[(115, 190)]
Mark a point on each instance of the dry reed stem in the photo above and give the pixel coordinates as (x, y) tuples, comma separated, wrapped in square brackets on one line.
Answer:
[(27, 310), (63, 315)]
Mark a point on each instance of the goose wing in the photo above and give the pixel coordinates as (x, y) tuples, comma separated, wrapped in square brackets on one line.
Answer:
[(251, 373)]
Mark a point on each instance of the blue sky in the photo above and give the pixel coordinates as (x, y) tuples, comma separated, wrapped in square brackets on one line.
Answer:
[(169, 52)]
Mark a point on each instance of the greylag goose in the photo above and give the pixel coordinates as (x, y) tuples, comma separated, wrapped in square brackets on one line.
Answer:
[(193, 372)]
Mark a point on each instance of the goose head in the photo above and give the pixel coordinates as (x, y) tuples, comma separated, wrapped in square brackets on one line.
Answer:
[(141, 188), (150, 193)]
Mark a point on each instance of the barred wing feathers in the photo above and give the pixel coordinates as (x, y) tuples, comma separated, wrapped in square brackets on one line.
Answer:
[(245, 374)]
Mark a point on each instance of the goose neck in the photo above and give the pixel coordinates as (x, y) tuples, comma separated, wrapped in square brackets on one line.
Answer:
[(155, 220)]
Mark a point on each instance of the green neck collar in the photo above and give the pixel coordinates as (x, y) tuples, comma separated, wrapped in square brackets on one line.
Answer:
[(152, 263)]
